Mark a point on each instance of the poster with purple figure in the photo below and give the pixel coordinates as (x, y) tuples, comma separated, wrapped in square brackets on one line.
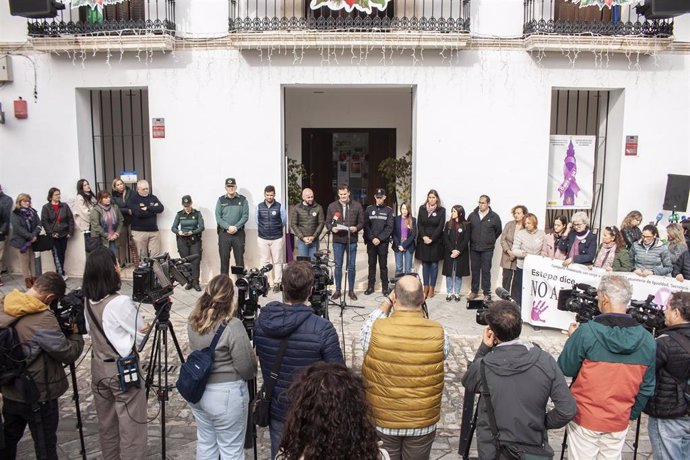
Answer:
[(571, 171)]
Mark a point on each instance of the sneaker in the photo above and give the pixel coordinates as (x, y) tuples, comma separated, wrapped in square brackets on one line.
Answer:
[(276, 287), (449, 297), (369, 291), (336, 295), (473, 296), (65, 277), (457, 297)]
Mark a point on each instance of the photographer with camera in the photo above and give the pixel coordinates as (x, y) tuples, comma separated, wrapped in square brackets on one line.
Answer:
[(115, 327), (404, 377), (307, 338), (669, 408), (519, 379), (47, 347), (189, 226), (613, 347)]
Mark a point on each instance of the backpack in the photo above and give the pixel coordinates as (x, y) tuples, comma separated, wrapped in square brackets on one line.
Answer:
[(684, 342), (194, 372), (13, 364)]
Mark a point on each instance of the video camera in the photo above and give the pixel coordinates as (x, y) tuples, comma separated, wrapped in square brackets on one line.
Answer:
[(648, 314), (322, 279), (69, 310), (250, 284), (153, 280), (581, 300), (397, 277)]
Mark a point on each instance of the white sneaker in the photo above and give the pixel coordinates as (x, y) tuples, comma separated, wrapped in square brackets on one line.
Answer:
[(65, 277)]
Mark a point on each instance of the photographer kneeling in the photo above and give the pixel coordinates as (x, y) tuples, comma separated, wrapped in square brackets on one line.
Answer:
[(46, 348), (521, 377), (669, 408), (115, 327)]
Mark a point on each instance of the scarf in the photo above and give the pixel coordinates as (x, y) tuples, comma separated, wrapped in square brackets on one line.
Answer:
[(108, 219), (605, 256), (430, 209), (28, 214)]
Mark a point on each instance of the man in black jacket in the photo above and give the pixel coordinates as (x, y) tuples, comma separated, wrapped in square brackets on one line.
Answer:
[(521, 378), (145, 208), (378, 226), (669, 408), (485, 228), (6, 205)]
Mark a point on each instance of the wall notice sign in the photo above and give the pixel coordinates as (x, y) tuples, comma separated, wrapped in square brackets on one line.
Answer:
[(631, 146), (128, 177), (158, 128)]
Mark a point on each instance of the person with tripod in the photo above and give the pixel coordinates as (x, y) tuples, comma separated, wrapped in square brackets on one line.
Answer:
[(305, 338), (613, 347), (221, 414), (115, 327), (669, 408), (519, 379), (47, 349)]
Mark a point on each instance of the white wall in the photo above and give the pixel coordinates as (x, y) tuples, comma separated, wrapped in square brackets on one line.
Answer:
[(482, 123)]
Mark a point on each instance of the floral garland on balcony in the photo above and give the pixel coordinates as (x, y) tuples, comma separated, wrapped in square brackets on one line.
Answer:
[(602, 3), (348, 5), (93, 4)]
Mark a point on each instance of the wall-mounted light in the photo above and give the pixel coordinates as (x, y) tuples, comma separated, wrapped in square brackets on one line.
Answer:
[(21, 109)]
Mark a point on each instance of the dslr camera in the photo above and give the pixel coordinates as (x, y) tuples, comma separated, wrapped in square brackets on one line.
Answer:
[(581, 300), (153, 279), (250, 284), (322, 279), (69, 310), (397, 277)]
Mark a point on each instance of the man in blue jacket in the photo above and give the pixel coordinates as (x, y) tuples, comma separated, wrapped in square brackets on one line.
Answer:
[(310, 338)]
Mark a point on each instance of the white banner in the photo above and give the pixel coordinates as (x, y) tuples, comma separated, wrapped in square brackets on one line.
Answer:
[(543, 278), (571, 172)]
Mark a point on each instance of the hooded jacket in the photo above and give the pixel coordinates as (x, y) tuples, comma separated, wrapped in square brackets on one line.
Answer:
[(613, 358), (672, 371), (44, 343), (310, 339), (521, 379), (655, 258)]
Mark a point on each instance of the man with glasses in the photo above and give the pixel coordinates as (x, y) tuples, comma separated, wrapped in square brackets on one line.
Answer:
[(232, 213), (485, 228)]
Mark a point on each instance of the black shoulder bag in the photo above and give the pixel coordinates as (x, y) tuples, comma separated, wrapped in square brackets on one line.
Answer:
[(511, 450), (261, 406)]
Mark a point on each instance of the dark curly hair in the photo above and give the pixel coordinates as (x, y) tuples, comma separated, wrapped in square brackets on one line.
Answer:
[(330, 417)]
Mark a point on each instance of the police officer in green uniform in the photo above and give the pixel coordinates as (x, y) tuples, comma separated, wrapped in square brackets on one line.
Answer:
[(188, 226), (232, 213)]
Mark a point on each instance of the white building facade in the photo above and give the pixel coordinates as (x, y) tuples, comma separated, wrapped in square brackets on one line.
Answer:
[(475, 103)]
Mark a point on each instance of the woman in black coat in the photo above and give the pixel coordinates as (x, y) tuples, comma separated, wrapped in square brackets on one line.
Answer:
[(430, 220), (26, 226), (120, 195), (456, 260), (58, 222)]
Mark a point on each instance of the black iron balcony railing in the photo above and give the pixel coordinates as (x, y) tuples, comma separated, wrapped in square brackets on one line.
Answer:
[(134, 17), (562, 17), (445, 16)]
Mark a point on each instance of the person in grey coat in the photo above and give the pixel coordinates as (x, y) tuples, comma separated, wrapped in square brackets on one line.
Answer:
[(650, 255), (521, 377)]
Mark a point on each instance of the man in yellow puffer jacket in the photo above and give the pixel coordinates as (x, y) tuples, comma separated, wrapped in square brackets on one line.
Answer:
[(403, 368)]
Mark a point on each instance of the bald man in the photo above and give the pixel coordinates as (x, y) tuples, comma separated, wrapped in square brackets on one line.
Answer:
[(306, 222), (404, 377), (145, 208)]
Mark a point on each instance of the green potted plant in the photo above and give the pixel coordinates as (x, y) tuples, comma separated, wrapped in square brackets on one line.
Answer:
[(397, 172)]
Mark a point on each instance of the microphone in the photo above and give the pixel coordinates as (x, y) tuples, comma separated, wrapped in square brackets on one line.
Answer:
[(505, 295), (336, 217), (188, 259), (658, 218)]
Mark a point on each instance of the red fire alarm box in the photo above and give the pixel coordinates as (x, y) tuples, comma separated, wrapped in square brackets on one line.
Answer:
[(21, 110)]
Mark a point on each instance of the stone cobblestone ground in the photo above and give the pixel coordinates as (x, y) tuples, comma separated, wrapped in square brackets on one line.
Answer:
[(180, 425)]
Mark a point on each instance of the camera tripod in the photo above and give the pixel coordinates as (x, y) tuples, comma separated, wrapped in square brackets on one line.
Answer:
[(75, 398), (467, 430), (159, 351), (250, 434)]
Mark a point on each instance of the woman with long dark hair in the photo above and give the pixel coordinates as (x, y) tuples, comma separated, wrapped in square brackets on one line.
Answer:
[(26, 226), (404, 237), (58, 222), (83, 204), (106, 221), (630, 228), (456, 259), (120, 195), (430, 221), (550, 248), (115, 327), (221, 414), (613, 256), (330, 417)]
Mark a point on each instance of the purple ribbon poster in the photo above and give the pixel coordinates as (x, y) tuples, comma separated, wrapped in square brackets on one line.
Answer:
[(571, 170)]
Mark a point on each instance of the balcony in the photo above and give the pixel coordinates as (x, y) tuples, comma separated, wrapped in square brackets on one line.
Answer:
[(414, 23), (559, 25), (133, 25)]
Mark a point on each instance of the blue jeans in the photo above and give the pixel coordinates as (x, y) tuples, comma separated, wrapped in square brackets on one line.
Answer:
[(429, 273), (403, 258), (221, 421), (339, 250), (307, 250), (276, 430), (449, 285), (670, 438)]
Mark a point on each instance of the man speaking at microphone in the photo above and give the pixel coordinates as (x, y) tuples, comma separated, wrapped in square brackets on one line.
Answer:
[(344, 218)]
